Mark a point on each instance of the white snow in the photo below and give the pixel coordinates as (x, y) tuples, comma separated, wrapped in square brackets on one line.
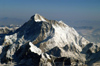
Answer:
[(64, 35), (39, 18), (11, 38), (1, 49), (34, 49)]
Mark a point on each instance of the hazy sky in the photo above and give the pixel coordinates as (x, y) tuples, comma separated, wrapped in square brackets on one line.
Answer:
[(73, 10)]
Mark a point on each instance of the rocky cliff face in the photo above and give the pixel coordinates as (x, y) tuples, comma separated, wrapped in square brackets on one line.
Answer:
[(43, 42)]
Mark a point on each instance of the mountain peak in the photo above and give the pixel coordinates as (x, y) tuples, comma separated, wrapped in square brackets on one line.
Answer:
[(38, 18)]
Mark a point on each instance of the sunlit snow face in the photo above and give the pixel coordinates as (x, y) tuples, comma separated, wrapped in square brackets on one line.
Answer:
[(39, 18)]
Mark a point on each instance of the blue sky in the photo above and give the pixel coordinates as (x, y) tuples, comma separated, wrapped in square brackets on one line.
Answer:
[(73, 10)]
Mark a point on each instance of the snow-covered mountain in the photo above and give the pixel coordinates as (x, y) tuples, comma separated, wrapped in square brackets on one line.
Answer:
[(45, 42)]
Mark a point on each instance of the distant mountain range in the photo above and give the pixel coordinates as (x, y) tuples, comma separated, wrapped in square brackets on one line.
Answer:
[(90, 33), (8, 21), (94, 24)]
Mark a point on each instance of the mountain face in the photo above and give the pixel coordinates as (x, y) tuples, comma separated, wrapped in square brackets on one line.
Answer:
[(43, 42)]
